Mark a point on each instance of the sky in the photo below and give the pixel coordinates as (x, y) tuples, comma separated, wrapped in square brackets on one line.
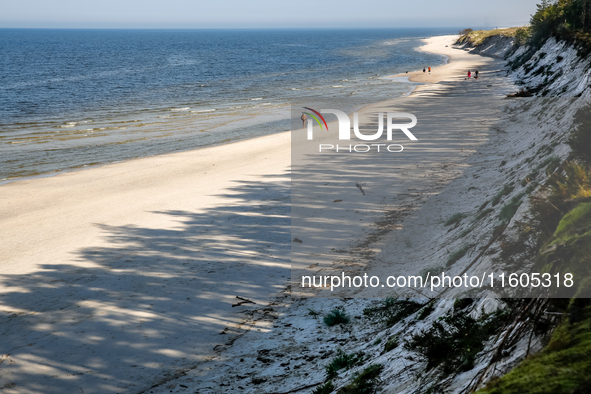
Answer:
[(263, 13)]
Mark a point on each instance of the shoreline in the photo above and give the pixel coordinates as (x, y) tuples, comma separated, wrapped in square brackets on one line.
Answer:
[(456, 67), (101, 248), (60, 172)]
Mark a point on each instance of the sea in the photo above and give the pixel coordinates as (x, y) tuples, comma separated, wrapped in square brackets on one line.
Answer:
[(74, 98)]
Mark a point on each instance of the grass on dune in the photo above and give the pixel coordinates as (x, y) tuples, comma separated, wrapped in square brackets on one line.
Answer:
[(562, 367), (477, 36)]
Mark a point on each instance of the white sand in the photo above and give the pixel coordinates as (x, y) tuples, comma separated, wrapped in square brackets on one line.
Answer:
[(117, 278), (456, 67)]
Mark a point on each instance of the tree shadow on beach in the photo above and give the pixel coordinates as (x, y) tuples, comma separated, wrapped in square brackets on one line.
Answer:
[(152, 303)]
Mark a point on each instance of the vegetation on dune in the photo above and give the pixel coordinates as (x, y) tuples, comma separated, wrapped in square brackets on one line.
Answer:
[(563, 219), (325, 388), (475, 37), (503, 192), (568, 20), (365, 382), (453, 341), (455, 219), (510, 208), (343, 361), (336, 316), (564, 19), (392, 310), (564, 366), (391, 344)]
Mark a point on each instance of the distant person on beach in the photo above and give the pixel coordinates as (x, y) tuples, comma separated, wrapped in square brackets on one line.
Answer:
[(476, 74), (469, 74), (429, 69), (304, 118), (423, 69)]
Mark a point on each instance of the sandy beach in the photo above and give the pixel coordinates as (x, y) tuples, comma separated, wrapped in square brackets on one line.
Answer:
[(121, 278), (457, 65), (115, 277)]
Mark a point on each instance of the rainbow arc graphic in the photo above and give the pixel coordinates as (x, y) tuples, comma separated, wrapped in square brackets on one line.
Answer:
[(316, 118)]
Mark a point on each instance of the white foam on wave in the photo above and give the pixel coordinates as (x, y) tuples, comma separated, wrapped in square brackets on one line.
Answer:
[(203, 110), (337, 86), (180, 109), (163, 116), (68, 124), (259, 98)]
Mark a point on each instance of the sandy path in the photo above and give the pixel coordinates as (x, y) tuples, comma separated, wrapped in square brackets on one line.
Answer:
[(116, 277)]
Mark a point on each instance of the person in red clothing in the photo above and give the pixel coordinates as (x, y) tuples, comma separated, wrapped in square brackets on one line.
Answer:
[(469, 74)]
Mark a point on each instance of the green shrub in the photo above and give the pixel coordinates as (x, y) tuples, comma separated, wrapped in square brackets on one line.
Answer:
[(509, 209), (391, 344), (453, 341), (426, 311), (343, 361), (463, 303), (522, 34), (366, 382), (336, 316), (325, 388)]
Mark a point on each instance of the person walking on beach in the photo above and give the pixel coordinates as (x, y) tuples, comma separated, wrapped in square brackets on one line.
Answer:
[(469, 74), (423, 69), (476, 74), (304, 118), (429, 69)]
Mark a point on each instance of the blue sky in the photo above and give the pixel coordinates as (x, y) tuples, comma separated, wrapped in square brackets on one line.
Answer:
[(263, 13)]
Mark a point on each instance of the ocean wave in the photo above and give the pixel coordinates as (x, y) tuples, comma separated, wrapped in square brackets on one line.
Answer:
[(180, 109), (258, 98), (203, 110), (68, 124)]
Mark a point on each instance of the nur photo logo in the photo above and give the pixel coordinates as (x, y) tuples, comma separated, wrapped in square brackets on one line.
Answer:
[(312, 117)]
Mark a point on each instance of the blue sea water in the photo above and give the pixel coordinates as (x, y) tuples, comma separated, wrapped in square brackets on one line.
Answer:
[(75, 98)]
